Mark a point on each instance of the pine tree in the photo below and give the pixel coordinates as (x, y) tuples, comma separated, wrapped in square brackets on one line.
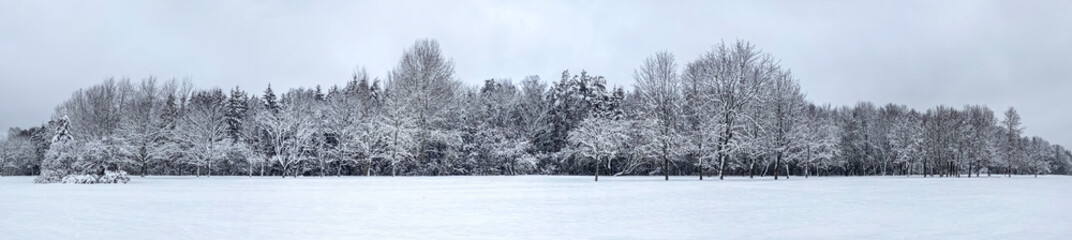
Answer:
[(270, 101), (237, 105)]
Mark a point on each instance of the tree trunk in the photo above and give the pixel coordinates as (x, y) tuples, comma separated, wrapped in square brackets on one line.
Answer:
[(765, 169), (969, 170), (787, 171), (923, 168), (666, 168), (777, 160), (394, 155), (421, 125), (884, 162), (751, 168), (700, 156), (701, 169), (721, 165), (597, 169), (955, 167)]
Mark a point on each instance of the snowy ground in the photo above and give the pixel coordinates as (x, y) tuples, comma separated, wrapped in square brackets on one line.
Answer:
[(539, 207)]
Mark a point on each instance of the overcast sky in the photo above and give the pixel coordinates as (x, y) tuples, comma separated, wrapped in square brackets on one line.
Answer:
[(918, 53)]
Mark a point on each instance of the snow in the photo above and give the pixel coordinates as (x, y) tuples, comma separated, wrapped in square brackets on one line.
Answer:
[(540, 207)]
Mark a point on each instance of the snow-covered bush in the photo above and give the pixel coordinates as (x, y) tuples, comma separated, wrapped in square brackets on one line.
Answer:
[(116, 176), (49, 176), (108, 177), (73, 161), (81, 178), (527, 163)]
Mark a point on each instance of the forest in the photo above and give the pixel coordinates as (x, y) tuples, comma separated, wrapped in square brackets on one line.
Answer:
[(732, 111)]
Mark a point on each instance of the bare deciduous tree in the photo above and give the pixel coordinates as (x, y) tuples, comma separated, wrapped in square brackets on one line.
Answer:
[(424, 78), (659, 90)]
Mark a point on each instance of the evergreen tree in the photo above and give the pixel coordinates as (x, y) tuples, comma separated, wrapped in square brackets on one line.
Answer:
[(270, 102), (237, 105)]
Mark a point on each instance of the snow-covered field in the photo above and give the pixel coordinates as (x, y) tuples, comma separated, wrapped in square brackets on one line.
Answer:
[(539, 207)]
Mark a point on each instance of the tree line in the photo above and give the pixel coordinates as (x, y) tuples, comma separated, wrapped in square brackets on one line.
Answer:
[(732, 111)]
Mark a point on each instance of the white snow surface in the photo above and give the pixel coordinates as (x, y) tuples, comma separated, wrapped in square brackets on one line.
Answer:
[(540, 207)]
